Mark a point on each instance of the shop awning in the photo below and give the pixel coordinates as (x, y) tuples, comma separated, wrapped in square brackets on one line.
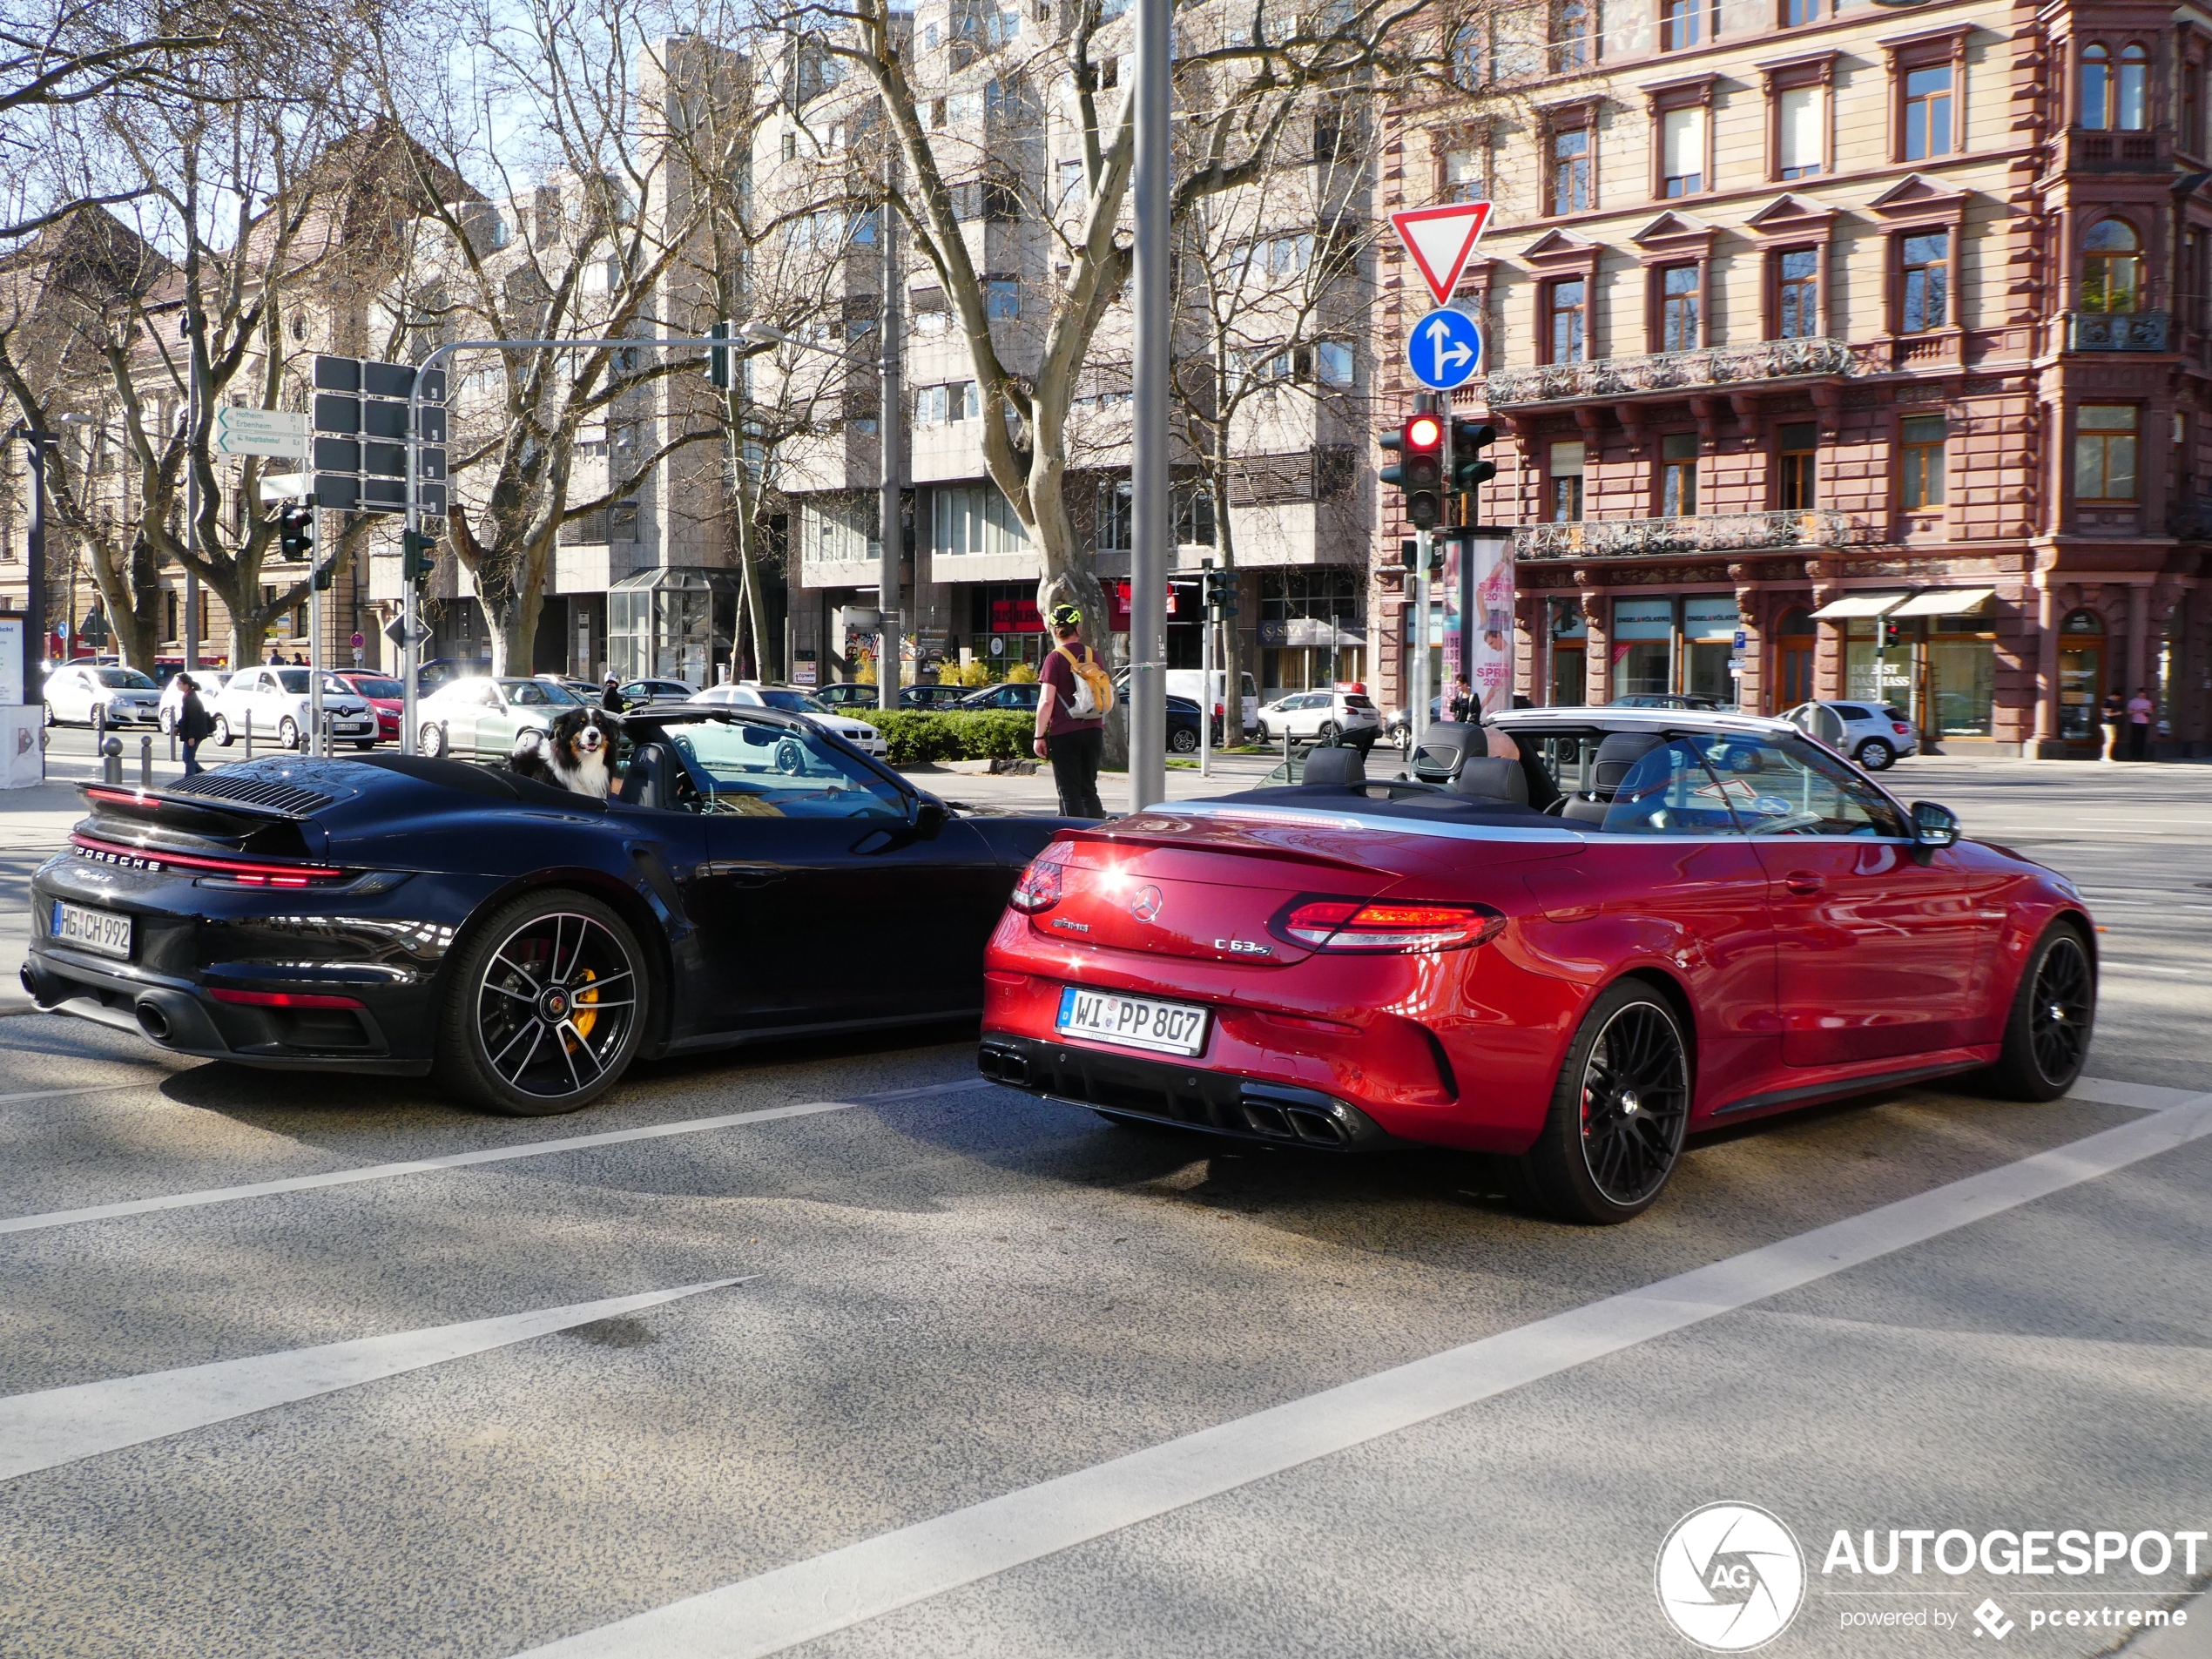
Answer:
[(1861, 605), (1945, 601)]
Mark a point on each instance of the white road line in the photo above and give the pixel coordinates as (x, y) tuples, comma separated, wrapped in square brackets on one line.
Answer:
[(62, 1424), (465, 1160), (809, 1599), (2106, 965)]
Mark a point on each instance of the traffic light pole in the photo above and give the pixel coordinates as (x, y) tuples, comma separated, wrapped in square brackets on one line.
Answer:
[(1416, 671), (1206, 670), (313, 746)]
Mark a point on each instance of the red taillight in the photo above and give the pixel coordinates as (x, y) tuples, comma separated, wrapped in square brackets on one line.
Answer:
[(1900, 727), (1039, 887), (284, 999), (1371, 925), (246, 872)]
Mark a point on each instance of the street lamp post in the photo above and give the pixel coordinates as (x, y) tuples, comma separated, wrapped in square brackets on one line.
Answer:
[(191, 499), (1152, 531), (35, 443), (890, 521)]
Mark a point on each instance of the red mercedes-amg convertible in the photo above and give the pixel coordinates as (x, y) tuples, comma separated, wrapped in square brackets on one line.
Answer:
[(1597, 930)]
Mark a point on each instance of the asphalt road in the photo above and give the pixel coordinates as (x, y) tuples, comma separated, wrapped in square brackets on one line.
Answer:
[(837, 1349)]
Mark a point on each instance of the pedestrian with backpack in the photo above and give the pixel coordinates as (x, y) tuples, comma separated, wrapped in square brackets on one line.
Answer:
[(1077, 696)]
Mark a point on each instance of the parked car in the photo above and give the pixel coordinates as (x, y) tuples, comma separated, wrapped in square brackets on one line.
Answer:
[(510, 938), (478, 718), (1183, 726), (1873, 734), (431, 675), (124, 696), (851, 694), (932, 695), (1013, 694), (1187, 683), (1638, 924), (276, 701), (792, 700), (845, 694), (210, 683), (1321, 717), (382, 693), (653, 690), (582, 689)]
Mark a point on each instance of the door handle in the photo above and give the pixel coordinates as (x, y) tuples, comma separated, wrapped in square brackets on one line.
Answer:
[(1804, 883), (744, 875)]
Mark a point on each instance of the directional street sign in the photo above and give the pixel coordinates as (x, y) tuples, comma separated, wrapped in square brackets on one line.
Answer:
[(361, 438), (1442, 239), (1445, 349), (260, 432)]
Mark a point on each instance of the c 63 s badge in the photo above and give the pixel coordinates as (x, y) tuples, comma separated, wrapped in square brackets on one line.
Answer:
[(1243, 947)]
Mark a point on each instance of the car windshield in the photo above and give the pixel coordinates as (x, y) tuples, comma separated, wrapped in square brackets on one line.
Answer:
[(793, 702), (331, 682), (293, 680), (379, 688), (128, 678), (751, 770)]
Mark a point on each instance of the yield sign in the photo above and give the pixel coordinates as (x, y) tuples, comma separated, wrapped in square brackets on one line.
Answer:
[(1440, 239)]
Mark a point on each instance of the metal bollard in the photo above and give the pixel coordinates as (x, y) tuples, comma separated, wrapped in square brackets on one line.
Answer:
[(99, 728), (172, 745), (111, 762), (249, 734), (146, 761)]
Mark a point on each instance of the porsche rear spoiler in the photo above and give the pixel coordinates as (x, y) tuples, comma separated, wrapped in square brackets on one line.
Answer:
[(277, 824)]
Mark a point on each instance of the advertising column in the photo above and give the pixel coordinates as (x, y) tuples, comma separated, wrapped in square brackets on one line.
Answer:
[(1481, 635)]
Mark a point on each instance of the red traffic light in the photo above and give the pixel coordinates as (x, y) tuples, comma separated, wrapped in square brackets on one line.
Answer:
[(1424, 432)]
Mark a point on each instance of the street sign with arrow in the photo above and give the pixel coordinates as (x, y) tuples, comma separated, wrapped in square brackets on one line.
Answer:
[(1445, 349), (260, 432)]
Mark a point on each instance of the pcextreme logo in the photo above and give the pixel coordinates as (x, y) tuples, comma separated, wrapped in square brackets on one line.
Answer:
[(1730, 1577)]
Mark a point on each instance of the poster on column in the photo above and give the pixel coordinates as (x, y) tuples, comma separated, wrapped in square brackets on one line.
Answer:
[(1484, 588)]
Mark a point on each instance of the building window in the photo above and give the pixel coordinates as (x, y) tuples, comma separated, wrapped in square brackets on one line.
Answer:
[(1570, 35), (1926, 264), (1799, 444), (1678, 297), (2121, 99), (1797, 146), (1462, 176), (1678, 474), (1564, 320), (2131, 107), (1333, 362), (2192, 135), (2096, 87), (1927, 113), (2104, 452), (1921, 437), (2112, 268), (1678, 24), (1798, 293), (1001, 298), (1797, 13), (1681, 152), (1571, 171), (1564, 474)]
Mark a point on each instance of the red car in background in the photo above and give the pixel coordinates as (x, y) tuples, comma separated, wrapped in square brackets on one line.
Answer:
[(381, 692), (1607, 929)]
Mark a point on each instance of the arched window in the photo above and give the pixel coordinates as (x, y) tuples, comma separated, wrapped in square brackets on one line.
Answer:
[(2131, 106), (2112, 268), (2096, 87)]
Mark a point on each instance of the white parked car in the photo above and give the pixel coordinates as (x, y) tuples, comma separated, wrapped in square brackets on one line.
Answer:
[(275, 700), (74, 690), (210, 683), (792, 700), (1322, 717), (1873, 734), (479, 717)]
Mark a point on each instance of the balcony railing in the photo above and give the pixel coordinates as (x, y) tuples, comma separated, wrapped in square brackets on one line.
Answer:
[(2086, 150), (2115, 331), (1635, 538), (1687, 371)]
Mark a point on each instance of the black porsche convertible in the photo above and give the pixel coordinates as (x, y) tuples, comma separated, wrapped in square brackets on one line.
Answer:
[(754, 876)]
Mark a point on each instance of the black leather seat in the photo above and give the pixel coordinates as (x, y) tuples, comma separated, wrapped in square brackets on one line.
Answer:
[(1616, 758), (1489, 779), (1341, 766), (1446, 748), (649, 779)]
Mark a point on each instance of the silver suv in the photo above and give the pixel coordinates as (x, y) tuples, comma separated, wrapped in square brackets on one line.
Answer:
[(1323, 717), (1873, 734)]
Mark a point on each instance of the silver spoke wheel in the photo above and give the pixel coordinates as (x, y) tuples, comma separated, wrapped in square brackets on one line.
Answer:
[(555, 1003)]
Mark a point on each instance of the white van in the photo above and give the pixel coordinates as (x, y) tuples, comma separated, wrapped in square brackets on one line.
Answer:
[(1188, 682)]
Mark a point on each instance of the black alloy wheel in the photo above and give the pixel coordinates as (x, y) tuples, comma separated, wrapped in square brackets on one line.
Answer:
[(1619, 1110), (2053, 1015), (544, 1007)]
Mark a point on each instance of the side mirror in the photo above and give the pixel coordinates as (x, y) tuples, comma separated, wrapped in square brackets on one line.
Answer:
[(930, 816), (1933, 825)]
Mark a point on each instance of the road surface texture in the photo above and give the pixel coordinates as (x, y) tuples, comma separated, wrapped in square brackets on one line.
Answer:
[(837, 1349)]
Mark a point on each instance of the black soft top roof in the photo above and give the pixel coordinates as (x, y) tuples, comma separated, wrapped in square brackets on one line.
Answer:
[(1378, 799)]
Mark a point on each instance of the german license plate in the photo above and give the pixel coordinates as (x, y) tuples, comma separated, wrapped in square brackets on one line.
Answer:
[(1132, 1021), (101, 932)]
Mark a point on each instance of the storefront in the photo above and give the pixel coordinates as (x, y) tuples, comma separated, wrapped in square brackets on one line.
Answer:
[(2081, 675), (1570, 655), (1670, 646), (1313, 628)]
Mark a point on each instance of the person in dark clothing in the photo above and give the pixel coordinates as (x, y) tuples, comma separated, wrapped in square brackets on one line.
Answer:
[(2113, 716), (1074, 743), (611, 698), (194, 724), (1462, 698)]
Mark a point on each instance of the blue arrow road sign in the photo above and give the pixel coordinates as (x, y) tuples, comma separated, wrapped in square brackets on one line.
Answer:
[(1445, 349)]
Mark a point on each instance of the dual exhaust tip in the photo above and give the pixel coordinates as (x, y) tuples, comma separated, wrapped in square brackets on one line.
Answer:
[(48, 994)]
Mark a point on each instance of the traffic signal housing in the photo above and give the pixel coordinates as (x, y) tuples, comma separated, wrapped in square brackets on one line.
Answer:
[(1219, 588), (718, 357), (1470, 469), (1891, 634), (418, 554), (296, 532), (1420, 442)]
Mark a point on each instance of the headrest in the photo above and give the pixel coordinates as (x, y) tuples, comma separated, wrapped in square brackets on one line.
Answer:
[(1446, 748), (1617, 756), (1329, 765), (1488, 779)]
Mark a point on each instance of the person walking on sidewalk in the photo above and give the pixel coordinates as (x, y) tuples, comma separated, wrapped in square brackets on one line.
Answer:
[(1071, 716), (2140, 710), (2113, 717), (194, 724)]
